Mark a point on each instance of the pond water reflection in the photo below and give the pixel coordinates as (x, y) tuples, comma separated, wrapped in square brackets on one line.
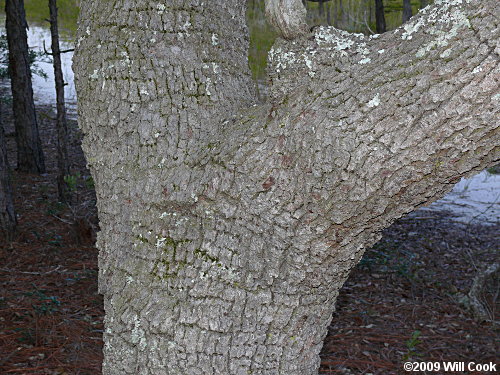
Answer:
[(44, 88), (473, 200)]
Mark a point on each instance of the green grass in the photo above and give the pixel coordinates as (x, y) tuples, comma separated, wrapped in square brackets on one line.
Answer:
[(262, 37), (394, 12)]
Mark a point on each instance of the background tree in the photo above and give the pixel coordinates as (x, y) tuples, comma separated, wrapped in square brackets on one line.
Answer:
[(8, 219), (61, 123), (321, 10), (228, 228), (380, 16), (29, 150), (407, 12)]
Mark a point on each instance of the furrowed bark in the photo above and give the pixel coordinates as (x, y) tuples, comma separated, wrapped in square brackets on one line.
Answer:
[(228, 229)]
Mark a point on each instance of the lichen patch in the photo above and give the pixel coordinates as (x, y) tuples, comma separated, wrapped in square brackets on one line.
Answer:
[(437, 22), (161, 8), (375, 102), (215, 40), (339, 40)]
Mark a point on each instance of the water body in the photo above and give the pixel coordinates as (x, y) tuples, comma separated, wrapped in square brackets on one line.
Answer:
[(44, 88), (472, 200)]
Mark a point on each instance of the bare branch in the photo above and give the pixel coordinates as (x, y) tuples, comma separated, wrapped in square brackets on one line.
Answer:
[(364, 22), (60, 52), (45, 50)]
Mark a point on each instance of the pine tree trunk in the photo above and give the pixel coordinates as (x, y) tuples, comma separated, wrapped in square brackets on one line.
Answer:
[(29, 150), (61, 123), (407, 12), (335, 14), (380, 16), (8, 219), (228, 228), (344, 13)]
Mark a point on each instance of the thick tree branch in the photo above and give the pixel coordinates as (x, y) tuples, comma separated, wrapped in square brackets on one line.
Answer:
[(288, 17), (402, 96), (362, 130)]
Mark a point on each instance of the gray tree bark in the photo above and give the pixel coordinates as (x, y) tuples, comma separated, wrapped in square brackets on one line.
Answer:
[(61, 123), (29, 150), (228, 228)]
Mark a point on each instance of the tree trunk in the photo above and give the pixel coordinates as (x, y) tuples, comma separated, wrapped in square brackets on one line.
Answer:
[(369, 5), (407, 13), (61, 123), (228, 228), (344, 10), (7, 214), (380, 16), (29, 149), (335, 14)]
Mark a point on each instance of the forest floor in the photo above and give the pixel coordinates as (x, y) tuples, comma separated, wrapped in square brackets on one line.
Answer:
[(406, 300)]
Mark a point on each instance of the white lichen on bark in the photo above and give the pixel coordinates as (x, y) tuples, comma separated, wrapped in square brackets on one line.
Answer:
[(375, 101)]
